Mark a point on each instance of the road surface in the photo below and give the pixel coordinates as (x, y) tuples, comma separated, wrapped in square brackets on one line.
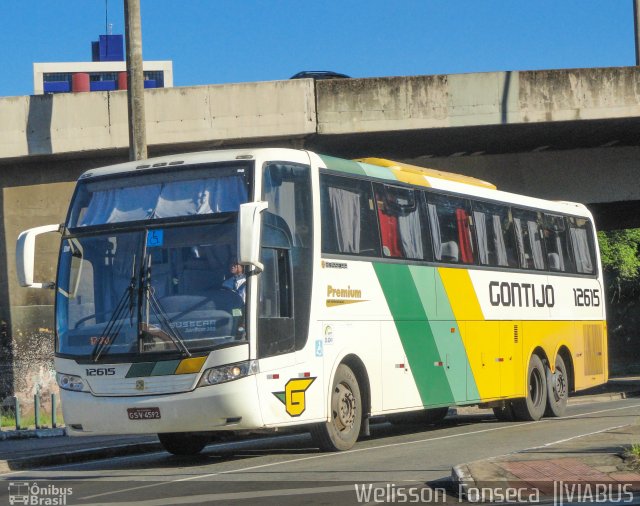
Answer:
[(289, 470)]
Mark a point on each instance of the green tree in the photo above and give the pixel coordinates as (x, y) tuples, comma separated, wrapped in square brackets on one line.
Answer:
[(620, 253)]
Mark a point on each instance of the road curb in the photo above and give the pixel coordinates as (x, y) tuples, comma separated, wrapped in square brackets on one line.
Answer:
[(72, 457), (461, 475), (603, 397), (32, 433)]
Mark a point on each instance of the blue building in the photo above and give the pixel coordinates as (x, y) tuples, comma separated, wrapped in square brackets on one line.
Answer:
[(105, 72)]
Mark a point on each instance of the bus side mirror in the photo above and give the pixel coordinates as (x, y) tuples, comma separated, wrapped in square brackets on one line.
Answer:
[(25, 255), (249, 226)]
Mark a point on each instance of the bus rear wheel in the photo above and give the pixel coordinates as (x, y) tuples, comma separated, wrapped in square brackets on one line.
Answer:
[(341, 433), (557, 389), (183, 443), (532, 407)]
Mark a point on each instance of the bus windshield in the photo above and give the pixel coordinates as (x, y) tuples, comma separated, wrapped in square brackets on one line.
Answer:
[(201, 191), (159, 290)]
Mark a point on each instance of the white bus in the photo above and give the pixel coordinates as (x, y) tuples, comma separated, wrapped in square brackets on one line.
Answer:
[(259, 290)]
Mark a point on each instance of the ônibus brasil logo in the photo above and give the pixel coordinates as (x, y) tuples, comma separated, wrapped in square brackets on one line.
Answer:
[(30, 493)]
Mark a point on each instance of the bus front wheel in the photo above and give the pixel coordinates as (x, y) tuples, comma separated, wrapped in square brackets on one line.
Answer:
[(183, 443), (532, 407), (341, 433)]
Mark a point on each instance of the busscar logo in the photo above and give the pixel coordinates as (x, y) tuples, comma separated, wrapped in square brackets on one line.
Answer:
[(333, 265), (294, 397)]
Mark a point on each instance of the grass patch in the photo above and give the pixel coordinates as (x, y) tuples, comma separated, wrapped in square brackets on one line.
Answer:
[(632, 455), (28, 421)]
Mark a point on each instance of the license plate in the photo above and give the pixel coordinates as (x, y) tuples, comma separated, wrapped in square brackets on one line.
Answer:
[(143, 413)]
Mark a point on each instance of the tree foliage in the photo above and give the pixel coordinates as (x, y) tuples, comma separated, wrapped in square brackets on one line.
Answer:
[(619, 250), (620, 253)]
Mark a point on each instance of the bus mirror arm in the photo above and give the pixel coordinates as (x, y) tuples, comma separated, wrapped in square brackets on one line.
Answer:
[(249, 227), (25, 255)]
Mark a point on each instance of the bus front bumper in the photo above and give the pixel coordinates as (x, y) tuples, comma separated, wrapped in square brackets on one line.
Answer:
[(227, 406)]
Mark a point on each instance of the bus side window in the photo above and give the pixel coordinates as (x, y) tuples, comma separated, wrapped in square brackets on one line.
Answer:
[(556, 241), (450, 224), (349, 224), (494, 234), (276, 324), (401, 219), (582, 245), (287, 189), (528, 237), (288, 224)]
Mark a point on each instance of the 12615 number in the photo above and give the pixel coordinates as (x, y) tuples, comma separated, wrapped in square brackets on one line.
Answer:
[(586, 297)]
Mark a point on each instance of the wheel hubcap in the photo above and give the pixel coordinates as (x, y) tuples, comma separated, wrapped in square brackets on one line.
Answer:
[(559, 385), (344, 412)]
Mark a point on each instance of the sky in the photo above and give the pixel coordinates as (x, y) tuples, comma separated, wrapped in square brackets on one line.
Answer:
[(224, 41)]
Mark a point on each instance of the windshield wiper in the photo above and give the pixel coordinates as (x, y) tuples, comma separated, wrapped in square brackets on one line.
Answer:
[(163, 318), (112, 329), (161, 315)]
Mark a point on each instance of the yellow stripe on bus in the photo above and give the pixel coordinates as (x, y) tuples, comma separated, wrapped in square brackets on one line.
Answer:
[(481, 339), (402, 170), (190, 365)]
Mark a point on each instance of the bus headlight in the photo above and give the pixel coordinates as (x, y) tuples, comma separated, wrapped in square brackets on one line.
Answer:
[(70, 382), (230, 372)]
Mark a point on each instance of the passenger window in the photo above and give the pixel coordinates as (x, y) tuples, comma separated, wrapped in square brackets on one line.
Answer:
[(401, 220), (556, 241), (349, 223), (528, 237), (450, 229), (582, 245), (494, 233)]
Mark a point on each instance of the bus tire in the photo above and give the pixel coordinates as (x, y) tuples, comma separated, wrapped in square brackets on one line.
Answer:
[(505, 412), (341, 433), (532, 407), (180, 443), (426, 416), (557, 389)]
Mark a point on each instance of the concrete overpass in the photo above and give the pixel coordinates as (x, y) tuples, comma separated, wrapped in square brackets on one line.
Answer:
[(562, 134)]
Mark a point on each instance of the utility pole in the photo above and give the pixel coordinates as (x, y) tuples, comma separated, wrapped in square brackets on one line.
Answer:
[(636, 25), (135, 81)]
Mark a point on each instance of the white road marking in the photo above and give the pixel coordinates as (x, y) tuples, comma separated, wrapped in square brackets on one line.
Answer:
[(572, 438), (348, 452)]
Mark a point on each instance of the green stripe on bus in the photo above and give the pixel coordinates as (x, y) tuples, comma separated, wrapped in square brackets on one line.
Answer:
[(445, 309), (442, 321), (377, 171), (415, 332), (165, 368), (342, 165), (140, 370)]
